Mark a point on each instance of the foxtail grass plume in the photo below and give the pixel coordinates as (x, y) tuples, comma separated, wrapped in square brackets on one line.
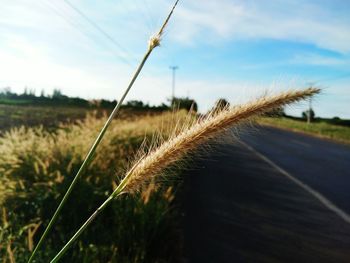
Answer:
[(203, 130)]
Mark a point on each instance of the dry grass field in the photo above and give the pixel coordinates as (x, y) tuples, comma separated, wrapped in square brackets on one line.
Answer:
[(36, 167)]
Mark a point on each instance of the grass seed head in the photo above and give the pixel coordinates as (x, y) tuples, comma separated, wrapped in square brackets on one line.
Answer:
[(198, 133), (154, 41)]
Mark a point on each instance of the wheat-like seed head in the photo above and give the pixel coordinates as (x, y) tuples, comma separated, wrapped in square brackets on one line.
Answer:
[(195, 135), (154, 41)]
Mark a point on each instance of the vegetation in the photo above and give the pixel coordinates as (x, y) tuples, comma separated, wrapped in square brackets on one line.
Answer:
[(56, 99), (277, 112), (29, 110), (184, 103), (50, 117), (17, 110), (152, 162), (36, 167), (327, 128), (308, 114), (220, 104)]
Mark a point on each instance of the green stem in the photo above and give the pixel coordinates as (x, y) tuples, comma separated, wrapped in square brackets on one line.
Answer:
[(118, 191), (81, 229), (89, 156)]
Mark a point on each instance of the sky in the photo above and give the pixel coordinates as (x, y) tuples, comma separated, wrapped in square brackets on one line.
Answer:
[(233, 49)]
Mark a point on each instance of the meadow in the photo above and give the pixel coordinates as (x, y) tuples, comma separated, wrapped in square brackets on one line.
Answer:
[(36, 167), (320, 128), (51, 116), (31, 115)]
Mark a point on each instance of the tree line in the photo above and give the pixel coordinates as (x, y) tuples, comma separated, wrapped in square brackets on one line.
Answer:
[(57, 98)]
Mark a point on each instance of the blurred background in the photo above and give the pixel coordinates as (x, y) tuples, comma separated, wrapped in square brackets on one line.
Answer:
[(223, 49)]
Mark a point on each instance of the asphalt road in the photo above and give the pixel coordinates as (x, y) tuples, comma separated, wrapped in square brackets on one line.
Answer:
[(241, 207), (321, 164)]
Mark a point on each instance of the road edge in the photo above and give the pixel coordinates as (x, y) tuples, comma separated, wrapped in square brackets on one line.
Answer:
[(314, 135), (321, 198)]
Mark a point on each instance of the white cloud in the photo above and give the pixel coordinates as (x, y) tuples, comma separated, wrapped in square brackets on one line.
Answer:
[(36, 70), (29, 65), (284, 20), (319, 60)]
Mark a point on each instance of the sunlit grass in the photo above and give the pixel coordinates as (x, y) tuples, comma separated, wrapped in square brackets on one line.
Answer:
[(35, 168)]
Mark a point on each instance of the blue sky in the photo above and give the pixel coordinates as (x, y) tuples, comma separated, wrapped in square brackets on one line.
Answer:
[(224, 49)]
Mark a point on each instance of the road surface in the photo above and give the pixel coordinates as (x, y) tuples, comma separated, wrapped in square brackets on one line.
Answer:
[(321, 164), (277, 197)]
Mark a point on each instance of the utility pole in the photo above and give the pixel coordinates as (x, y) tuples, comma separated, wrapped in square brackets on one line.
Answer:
[(309, 113), (173, 68), (310, 107)]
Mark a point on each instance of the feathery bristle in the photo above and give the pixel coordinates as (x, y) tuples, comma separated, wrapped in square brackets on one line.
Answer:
[(177, 146)]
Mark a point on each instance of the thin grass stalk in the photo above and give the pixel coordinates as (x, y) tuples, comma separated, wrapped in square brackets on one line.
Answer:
[(175, 148), (153, 43), (88, 158), (85, 225), (81, 229)]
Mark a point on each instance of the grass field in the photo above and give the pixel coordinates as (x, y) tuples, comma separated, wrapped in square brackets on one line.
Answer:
[(50, 117), (36, 166), (319, 128)]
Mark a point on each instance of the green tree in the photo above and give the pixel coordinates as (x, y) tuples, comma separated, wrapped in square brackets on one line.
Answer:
[(56, 94), (221, 104), (277, 112), (184, 103), (308, 113)]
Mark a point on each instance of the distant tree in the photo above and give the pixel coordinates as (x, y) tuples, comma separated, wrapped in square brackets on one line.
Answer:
[(163, 106), (137, 104), (31, 92), (336, 120), (8, 94), (94, 103), (308, 113), (75, 101), (221, 104), (7, 91), (107, 103), (28, 97), (57, 94), (184, 103), (25, 91), (277, 112)]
